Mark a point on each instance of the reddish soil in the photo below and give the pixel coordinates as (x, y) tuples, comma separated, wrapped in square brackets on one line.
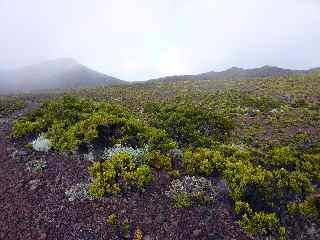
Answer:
[(16, 204), (33, 205)]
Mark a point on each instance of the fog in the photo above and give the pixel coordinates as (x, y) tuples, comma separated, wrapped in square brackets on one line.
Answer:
[(138, 40)]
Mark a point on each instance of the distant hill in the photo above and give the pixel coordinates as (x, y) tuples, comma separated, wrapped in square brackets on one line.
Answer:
[(238, 73), (55, 74)]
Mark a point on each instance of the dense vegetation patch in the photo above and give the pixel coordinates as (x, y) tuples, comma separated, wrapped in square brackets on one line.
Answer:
[(265, 187), (189, 124), (129, 147), (122, 171), (71, 123)]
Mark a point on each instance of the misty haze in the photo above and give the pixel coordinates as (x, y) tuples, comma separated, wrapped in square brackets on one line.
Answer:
[(150, 120)]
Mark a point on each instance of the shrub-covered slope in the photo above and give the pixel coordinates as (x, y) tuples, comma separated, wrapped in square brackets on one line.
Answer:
[(259, 136)]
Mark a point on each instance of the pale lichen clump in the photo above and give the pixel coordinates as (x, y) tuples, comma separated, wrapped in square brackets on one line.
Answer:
[(188, 189), (41, 144), (133, 152), (78, 192)]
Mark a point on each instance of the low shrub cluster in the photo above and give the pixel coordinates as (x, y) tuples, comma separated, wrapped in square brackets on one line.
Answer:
[(70, 123), (203, 161), (131, 146), (123, 171), (263, 103), (265, 187), (189, 124)]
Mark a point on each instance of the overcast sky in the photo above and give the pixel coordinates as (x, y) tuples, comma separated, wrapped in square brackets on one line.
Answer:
[(138, 40)]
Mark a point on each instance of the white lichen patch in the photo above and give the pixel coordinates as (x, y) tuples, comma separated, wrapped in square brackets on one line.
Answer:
[(89, 157), (78, 192), (136, 153), (192, 185), (41, 144)]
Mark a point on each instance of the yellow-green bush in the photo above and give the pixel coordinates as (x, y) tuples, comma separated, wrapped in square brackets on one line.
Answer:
[(310, 206), (310, 166), (25, 127), (119, 173), (260, 223), (182, 200), (190, 125), (158, 160), (257, 223), (71, 122), (282, 157), (203, 161), (263, 190)]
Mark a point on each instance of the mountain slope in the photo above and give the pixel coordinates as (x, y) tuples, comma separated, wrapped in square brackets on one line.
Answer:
[(238, 73), (55, 74)]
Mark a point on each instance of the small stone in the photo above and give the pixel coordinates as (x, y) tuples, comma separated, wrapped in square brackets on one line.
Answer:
[(34, 184), (311, 230), (147, 237), (274, 111), (126, 236), (148, 220), (215, 236), (160, 219), (23, 153), (222, 186), (196, 232), (43, 236)]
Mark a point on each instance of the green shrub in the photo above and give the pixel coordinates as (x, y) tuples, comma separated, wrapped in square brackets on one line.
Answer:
[(282, 157), (203, 161), (190, 125), (263, 195), (138, 234), (310, 206), (125, 228), (71, 122), (290, 186), (248, 181), (119, 173), (25, 127), (112, 219), (182, 200), (263, 103), (158, 160), (174, 173), (260, 223), (301, 141), (310, 166), (256, 223), (261, 183)]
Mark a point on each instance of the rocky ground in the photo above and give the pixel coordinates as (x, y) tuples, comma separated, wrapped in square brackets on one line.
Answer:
[(34, 203)]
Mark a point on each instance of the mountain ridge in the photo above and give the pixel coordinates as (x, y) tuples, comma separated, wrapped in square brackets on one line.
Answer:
[(238, 73), (62, 73)]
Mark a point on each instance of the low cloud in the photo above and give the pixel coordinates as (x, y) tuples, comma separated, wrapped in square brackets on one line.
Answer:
[(137, 40)]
